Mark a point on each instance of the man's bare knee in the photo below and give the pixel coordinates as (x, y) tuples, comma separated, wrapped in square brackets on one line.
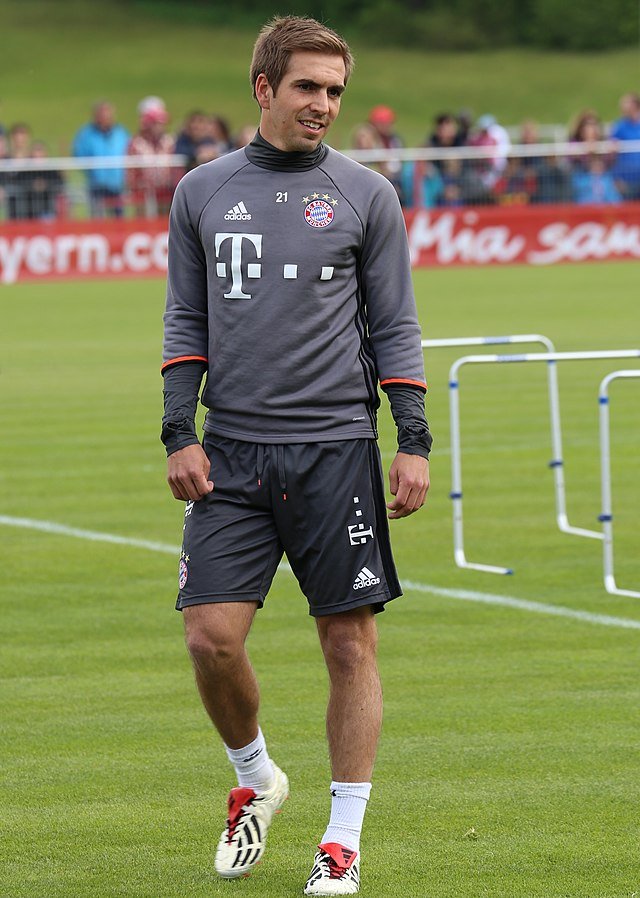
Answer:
[(348, 640), (215, 634), (211, 648)]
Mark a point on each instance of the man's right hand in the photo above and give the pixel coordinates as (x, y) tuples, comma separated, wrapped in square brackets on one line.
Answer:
[(188, 473)]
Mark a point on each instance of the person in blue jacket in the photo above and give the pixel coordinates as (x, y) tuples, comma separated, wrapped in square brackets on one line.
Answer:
[(103, 136), (626, 169), (595, 184)]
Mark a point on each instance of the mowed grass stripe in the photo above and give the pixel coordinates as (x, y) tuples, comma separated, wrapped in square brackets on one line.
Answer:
[(461, 594)]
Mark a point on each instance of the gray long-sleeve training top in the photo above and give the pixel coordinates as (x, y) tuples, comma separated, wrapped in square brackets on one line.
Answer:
[(289, 277)]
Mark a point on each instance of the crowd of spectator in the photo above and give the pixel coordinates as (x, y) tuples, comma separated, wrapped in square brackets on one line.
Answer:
[(583, 176), (147, 191), (500, 177), (28, 194)]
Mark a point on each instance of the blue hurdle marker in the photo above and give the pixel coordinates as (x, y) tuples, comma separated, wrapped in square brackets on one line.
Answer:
[(606, 517), (456, 466), (557, 462)]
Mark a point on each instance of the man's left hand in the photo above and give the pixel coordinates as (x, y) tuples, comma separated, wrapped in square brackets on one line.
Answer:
[(408, 482)]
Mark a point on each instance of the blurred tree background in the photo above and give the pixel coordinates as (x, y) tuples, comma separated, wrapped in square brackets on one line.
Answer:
[(418, 56), (439, 24)]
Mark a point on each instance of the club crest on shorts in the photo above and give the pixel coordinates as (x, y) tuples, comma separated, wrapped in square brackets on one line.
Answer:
[(319, 211), (183, 571)]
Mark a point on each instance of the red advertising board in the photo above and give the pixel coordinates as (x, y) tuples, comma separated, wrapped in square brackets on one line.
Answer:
[(82, 249), (534, 235)]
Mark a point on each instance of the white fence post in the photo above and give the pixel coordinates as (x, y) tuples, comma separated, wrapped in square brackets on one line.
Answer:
[(606, 516), (456, 465)]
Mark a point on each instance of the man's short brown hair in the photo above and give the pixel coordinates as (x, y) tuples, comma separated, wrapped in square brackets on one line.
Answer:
[(285, 35)]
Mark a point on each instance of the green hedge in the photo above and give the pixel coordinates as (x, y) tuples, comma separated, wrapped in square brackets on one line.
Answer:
[(438, 24)]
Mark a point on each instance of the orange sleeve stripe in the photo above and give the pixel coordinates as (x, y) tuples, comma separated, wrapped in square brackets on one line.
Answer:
[(403, 380), (184, 358)]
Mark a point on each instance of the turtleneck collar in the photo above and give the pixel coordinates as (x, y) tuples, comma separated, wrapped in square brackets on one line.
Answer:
[(265, 155)]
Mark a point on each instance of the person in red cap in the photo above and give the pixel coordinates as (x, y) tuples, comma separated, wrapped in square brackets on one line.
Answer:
[(152, 188), (383, 118)]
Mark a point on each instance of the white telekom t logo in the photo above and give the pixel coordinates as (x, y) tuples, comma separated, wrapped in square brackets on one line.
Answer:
[(253, 268)]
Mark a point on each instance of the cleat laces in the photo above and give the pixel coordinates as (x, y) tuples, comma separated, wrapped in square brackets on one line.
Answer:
[(239, 800)]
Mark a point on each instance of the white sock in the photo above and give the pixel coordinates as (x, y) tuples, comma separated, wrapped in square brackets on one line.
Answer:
[(252, 764), (348, 804)]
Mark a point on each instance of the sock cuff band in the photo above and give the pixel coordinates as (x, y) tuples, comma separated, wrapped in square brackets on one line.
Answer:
[(245, 754), (355, 790)]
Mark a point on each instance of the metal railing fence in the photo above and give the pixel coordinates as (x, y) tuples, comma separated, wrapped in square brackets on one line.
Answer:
[(425, 177)]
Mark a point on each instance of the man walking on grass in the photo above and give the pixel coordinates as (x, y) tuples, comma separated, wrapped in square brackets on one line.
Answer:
[(289, 286)]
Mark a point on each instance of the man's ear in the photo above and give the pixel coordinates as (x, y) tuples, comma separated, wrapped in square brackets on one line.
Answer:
[(264, 93)]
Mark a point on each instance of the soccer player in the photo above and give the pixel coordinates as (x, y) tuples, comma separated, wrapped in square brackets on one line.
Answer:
[(289, 286)]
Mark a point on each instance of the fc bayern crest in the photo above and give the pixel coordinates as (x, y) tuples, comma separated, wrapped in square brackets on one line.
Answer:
[(318, 214), (184, 573)]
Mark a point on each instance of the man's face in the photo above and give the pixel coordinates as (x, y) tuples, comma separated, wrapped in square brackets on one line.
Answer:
[(298, 116), (629, 107), (105, 116), (155, 129), (447, 130), (384, 128), (20, 139), (198, 128)]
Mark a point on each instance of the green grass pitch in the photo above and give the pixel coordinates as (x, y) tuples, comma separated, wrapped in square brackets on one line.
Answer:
[(508, 765)]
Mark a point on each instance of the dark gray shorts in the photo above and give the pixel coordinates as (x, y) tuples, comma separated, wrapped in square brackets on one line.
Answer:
[(321, 503)]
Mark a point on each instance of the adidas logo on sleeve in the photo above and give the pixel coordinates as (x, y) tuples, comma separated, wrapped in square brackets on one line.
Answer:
[(238, 213), (365, 578)]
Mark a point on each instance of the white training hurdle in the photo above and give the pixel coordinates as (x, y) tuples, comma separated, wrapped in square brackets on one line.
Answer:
[(557, 462), (454, 406), (605, 478)]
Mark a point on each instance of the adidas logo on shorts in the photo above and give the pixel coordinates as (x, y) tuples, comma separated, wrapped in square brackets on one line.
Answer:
[(365, 578), (238, 213)]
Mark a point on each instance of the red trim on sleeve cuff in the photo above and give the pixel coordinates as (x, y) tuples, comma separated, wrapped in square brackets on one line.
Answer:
[(184, 358), (404, 380)]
